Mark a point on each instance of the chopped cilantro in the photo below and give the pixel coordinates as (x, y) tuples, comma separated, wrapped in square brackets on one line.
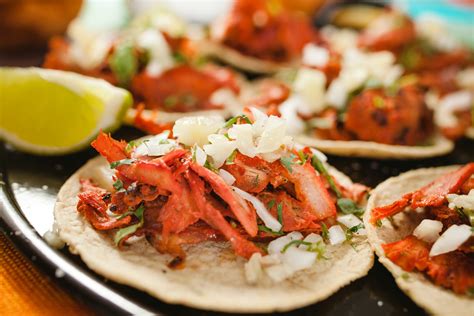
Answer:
[(124, 63), (255, 181), (118, 185), (347, 206), (117, 163), (287, 162), (296, 243), (470, 291), (378, 223), (324, 231), (180, 58), (189, 100), (132, 145), (234, 120), (351, 231), (319, 166), (303, 157), (405, 276), (129, 230), (378, 102), (230, 159), (280, 214), (271, 204), (265, 229), (170, 101), (317, 247)]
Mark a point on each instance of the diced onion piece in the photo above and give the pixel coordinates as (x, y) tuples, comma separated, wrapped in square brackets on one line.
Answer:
[(195, 129), (253, 268), (312, 238), (336, 235), (298, 259), (450, 104), (262, 212), (201, 156), (428, 230), (350, 220), (310, 84), (322, 157), (220, 148), (227, 176), (270, 260), (279, 272), (157, 145), (465, 202), (277, 245), (451, 239), (243, 135), (156, 45), (314, 55), (295, 235), (273, 135)]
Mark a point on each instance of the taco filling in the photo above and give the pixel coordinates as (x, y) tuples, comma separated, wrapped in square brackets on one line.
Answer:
[(242, 181), (441, 246), (265, 30)]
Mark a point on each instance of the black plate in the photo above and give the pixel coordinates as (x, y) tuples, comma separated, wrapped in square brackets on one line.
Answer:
[(29, 186)]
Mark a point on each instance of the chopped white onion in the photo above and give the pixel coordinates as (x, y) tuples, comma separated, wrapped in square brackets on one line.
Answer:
[(279, 272), (314, 55), (196, 129), (312, 238), (157, 145), (450, 104), (336, 235), (227, 176), (270, 260), (350, 220), (277, 245), (465, 202), (310, 84), (220, 148), (428, 230), (201, 156), (451, 239), (157, 47), (243, 135), (253, 268), (298, 259), (262, 212)]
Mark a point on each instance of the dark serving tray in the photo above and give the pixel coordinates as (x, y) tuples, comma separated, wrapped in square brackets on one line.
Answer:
[(29, 185)]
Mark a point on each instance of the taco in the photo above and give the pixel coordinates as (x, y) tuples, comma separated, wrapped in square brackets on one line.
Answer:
[(245, 222), (260, 36), (156, 61), (420, 226)]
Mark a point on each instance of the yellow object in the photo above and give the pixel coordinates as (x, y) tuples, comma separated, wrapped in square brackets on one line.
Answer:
[(50, 112)]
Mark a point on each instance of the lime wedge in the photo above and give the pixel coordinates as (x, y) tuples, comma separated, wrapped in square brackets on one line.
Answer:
[(50, 112)]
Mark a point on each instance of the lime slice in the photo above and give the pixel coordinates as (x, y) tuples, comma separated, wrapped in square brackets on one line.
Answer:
[(49, 112)]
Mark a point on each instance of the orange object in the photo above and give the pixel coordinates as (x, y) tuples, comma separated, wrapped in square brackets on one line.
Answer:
[(26, 291)]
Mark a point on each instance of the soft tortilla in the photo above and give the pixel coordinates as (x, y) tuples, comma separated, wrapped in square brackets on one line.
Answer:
[(435, 299), (244, 62), (438, 146), (213, 277)]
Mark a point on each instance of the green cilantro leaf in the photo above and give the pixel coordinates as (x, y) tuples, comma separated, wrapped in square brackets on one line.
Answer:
[(319, 166), (230, 159), (234, 120), (280, 214), (129, 230), (347, 206), (324, 231), (124, 63), (378, 102), (265, 229), (117, 163), (287, 162), (118, 185)]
